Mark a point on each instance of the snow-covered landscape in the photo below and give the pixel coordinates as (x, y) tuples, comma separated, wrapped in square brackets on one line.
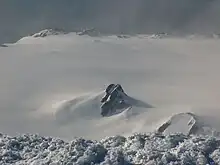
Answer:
[(52, 86), (81, 97)]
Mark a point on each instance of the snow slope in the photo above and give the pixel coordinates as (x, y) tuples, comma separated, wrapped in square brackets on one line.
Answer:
[(52, 85)]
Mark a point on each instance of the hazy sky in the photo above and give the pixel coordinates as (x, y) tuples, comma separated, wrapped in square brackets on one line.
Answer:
[(19, 18)]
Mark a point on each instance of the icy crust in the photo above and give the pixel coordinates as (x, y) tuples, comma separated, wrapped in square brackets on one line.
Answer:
[(117, 150)]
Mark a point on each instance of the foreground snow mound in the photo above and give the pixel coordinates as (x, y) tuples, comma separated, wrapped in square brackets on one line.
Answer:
[(117, 150)]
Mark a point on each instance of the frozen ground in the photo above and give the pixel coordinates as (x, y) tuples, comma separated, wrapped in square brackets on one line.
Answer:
[(52, 86), (116, 150)]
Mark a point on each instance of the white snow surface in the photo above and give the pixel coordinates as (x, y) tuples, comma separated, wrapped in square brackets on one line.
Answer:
[(52, 86)]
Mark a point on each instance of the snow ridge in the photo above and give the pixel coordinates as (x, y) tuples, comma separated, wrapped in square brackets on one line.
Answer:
[(139, 148), (93, 32), (48, 32)]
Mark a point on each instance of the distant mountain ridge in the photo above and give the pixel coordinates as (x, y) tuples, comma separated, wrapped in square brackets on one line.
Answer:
[(18, 19)]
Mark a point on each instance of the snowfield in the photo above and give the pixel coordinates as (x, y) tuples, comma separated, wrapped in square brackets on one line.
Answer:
[(52, 83)]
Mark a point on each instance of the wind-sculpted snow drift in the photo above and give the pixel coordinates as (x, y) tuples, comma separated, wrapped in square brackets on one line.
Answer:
[(137, 149)]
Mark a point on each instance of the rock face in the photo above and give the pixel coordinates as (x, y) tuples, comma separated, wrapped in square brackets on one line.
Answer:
[(136, 149), (116, 101)]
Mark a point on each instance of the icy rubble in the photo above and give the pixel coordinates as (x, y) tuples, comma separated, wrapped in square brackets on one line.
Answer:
[(149, 149)]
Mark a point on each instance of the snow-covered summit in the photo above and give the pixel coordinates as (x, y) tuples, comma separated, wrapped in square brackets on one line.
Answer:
[(42, 34), (48, 32)]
